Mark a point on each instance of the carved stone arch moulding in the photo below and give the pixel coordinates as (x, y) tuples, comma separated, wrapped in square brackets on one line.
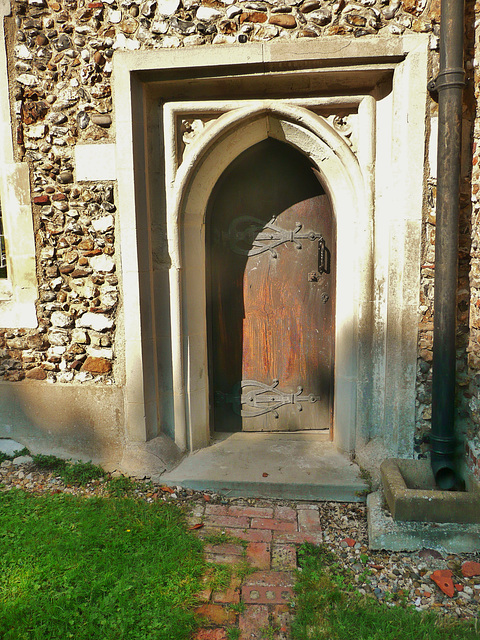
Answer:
[(205, 158), (357, 109)]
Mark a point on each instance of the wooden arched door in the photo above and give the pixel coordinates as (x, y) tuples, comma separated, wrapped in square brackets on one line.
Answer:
[(271, 286)]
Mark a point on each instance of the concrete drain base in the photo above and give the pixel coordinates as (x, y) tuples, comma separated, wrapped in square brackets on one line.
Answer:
[(394, 535), (411, 494)]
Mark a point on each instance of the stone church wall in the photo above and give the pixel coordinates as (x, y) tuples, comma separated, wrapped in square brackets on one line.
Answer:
[(60, 64)]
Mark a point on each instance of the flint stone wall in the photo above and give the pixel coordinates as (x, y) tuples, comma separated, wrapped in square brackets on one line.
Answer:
[(60, 66)]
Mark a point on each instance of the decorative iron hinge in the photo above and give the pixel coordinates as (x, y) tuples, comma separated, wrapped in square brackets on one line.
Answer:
[(250, 398), (249, 236)]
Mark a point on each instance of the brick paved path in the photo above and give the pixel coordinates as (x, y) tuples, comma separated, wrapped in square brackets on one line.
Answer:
[(258, 604)]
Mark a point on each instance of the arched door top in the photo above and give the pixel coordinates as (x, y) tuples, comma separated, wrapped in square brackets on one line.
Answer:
[(187, 198), (237, 130)]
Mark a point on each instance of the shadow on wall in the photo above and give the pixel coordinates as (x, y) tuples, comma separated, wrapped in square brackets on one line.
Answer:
[(82, 422)]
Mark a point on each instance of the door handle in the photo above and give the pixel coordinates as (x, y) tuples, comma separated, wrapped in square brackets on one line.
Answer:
[(322, 257)]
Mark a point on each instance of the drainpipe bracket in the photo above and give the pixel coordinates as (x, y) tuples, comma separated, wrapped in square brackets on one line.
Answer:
[(432, 89), (448, 78)]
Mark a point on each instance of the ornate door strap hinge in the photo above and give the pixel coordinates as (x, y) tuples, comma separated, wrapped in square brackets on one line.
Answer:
[(250, 237), (250, 398)]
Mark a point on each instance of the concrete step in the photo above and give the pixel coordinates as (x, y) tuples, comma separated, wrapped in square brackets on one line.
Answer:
[(296, 466)]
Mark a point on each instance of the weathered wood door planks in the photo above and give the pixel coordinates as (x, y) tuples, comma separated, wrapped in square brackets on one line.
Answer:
[(271, 238)]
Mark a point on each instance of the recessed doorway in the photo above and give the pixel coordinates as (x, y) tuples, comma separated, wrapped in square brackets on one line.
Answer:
[(270, 294)]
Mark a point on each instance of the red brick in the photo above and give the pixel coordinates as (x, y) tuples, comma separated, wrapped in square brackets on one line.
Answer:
[(229, 596), (443, 579), (251, 512), (309, 521), (204, 595), (258, 555), (217, 509), (286, 513), (252, 621), (216, 614), (284, 557), (273, 524), (471, 568), (211, 634), (297, 537), (230, 549), (226, 521), (41, 200), (268, 587), (252, 535), (222, 558), (281, 618)]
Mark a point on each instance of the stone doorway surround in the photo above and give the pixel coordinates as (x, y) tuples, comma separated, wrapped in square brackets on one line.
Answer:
[(357, 109)]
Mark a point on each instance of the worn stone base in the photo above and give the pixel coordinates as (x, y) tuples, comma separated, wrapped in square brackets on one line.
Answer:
[(386, 533)]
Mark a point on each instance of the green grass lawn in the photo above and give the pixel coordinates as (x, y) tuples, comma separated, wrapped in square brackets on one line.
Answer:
[(328, 609), (95, 568)]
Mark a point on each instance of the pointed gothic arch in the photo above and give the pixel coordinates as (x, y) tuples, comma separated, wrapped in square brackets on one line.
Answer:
[(210, 154)]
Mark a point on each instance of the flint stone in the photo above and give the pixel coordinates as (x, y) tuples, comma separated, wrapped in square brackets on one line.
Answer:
[(183, 26), (62, 42), (102, 224), (65, 376), (101, 119), (58, 338), (171, 42), (17, 343), (95, 321), (149, 8), (167, 7), (233, 11), (159, 26), (96, 365), (207, 13), (37, 132), (321, 17), (79, 336), (390, 11), (106, 353), (122, 42), (114, 17), (61, 319), (37, 373), (267, 32), (194, 40), (102, 263), (36, 341), (65, 177), (285, 20), (221, 39), (22, 52), (27, 79), (129, 25), (255, 16), (282, 8)]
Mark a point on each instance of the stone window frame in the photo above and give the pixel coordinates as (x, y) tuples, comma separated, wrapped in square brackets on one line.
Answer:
[(18, 291), (390, 351)]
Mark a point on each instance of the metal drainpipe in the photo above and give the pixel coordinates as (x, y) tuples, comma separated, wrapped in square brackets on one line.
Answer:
[(449, 85)]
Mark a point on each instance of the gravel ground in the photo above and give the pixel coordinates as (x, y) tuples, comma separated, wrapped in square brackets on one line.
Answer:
[(392, 577)]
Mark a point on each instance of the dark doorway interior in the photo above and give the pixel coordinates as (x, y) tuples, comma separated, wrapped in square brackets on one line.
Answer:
[(271, 285)]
